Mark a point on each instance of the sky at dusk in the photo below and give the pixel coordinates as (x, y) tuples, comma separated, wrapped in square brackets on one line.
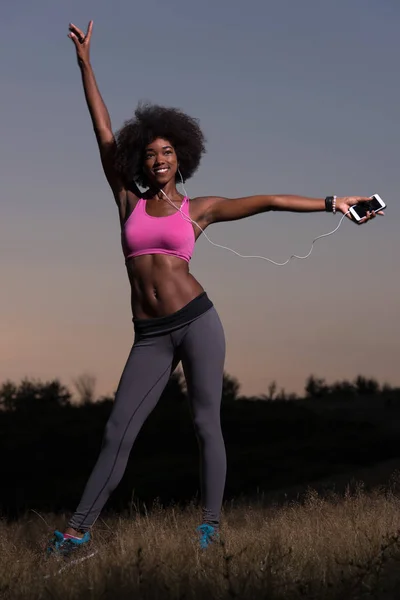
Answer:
[(293, 97)]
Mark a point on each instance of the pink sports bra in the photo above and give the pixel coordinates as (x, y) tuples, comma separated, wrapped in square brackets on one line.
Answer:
[(144, 234)]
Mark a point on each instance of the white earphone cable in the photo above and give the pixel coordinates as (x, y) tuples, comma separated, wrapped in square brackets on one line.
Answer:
[(189, 220)]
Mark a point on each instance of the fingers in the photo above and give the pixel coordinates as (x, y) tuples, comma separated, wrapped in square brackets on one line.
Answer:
[(77, 32), (81, 41), (370, 215), (73, 37), (354, 200), (89, 31)]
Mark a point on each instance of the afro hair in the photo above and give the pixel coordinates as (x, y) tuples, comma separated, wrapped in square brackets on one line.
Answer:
[(151, 122)]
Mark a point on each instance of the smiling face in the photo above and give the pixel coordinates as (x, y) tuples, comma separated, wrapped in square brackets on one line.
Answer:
[(160, 162)]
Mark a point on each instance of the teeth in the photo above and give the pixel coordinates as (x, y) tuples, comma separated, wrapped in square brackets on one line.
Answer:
[(161, 170)]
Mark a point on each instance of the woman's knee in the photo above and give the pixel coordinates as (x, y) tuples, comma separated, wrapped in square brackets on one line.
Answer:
[(115, 437), (208, 426)]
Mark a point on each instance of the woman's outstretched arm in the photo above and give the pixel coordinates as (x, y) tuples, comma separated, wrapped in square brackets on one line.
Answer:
[(98, 110), (225, 209)]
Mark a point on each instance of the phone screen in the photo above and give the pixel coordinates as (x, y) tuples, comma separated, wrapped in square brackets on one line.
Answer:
[(363, 207)]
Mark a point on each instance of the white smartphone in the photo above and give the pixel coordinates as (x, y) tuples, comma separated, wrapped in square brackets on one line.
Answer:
[(359, 211)]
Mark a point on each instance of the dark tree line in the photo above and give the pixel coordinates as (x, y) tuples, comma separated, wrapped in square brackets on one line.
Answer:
[(50, 438)]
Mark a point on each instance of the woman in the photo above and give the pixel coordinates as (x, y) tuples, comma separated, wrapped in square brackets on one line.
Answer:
[(174, 320)]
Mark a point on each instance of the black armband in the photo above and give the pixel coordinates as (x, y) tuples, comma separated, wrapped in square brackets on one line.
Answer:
[(329, 204)]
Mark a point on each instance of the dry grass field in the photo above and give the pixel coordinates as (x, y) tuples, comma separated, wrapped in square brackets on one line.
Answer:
[(333, 547)]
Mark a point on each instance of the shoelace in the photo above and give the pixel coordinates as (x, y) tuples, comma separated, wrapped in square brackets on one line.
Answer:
[(207, 535)]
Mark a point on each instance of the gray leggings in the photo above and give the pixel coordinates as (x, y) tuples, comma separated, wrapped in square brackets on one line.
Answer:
[(200, 346)]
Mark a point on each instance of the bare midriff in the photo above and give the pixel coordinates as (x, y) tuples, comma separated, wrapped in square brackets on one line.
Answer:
[(160, 285)]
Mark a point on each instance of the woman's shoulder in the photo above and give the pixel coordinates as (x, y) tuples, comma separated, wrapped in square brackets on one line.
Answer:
[(197, 203), (200, 200), (205, 199), (203, 203), (200, 206)]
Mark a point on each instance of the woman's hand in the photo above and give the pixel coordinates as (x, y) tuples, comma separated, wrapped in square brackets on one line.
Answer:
[(81, 41), (343, 205)]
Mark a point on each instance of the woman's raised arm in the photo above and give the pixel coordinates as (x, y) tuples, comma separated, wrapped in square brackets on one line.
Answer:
[(98, 110)]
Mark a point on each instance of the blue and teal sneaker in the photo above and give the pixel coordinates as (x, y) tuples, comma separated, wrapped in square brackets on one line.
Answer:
[(64, 545), (207, 535)]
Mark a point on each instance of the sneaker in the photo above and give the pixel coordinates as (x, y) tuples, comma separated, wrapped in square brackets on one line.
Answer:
[(207, 535), (64, 545)]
